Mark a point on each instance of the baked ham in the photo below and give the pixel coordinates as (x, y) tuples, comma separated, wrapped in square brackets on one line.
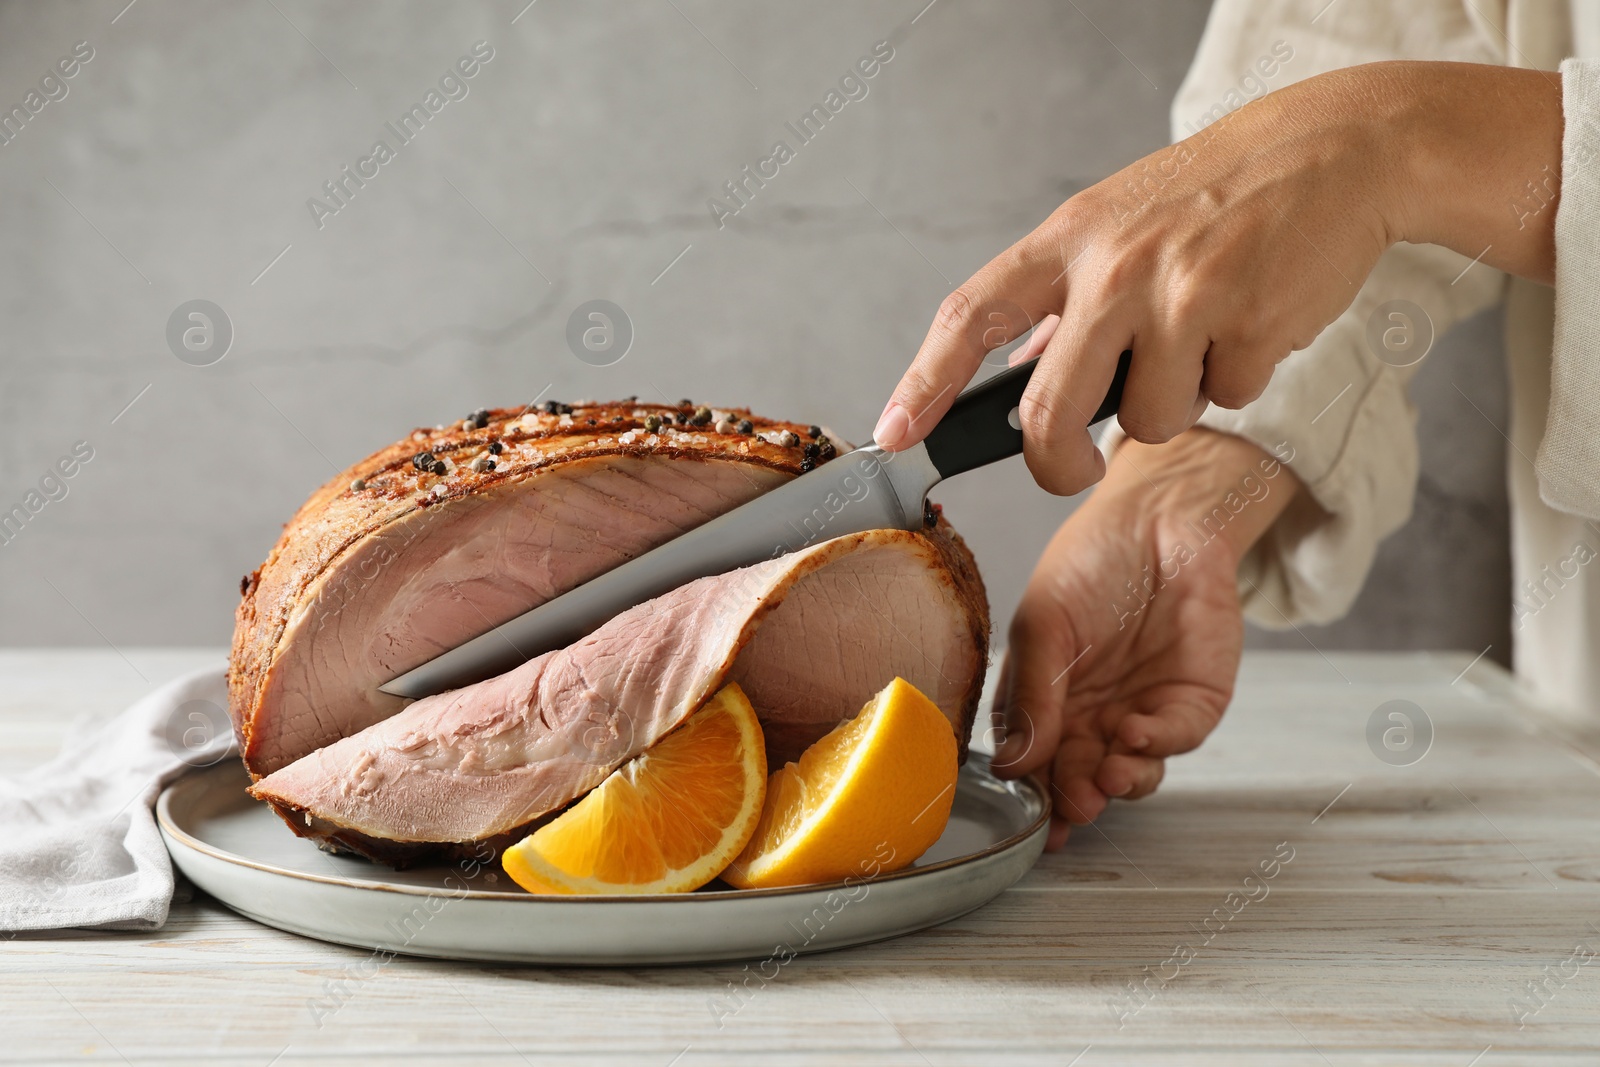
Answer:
[(452, 531)]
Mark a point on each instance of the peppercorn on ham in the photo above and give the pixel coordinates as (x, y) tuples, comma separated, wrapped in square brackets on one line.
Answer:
[(450, 532)]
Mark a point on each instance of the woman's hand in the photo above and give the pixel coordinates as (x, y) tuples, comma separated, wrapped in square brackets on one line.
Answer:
[(1214, 258), (1124, 649)]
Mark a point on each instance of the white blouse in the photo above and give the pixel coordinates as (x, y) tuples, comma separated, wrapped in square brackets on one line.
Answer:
[(1344, 411)]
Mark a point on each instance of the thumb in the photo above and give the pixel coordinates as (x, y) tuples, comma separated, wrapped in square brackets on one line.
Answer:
[(1035, 688)]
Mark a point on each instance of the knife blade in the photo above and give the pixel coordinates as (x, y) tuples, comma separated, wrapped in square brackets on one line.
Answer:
[(865, 489)]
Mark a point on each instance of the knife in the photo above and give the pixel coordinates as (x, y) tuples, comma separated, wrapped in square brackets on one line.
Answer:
[(866, 489)]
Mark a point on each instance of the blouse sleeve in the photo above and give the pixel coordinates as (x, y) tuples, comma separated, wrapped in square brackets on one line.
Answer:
[(1568, 462), (1337, 412)]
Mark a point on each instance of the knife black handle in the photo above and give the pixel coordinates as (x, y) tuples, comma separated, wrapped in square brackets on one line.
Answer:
[(977, 429)]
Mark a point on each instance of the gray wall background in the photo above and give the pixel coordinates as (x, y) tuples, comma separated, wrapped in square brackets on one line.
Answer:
[(578, 166)]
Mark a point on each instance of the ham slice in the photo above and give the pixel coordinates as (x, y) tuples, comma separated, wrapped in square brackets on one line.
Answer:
[(485, 762)]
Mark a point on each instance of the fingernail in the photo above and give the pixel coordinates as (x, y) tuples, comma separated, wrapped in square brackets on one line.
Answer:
[(892, 426), (1139, 745)]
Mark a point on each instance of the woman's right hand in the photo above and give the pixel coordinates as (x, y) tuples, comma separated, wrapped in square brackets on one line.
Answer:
[(1214, 258)]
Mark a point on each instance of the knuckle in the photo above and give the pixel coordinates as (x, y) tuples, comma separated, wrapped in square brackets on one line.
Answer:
[(1116, 274), (916, 385), (1248, 324), (1069, 217), (1192, 299), (1012, 262), (1041, 422), (956, 310)]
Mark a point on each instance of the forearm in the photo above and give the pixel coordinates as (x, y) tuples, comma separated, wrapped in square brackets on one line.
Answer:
[(1464, 155), (1480, 151), (1202, 487)]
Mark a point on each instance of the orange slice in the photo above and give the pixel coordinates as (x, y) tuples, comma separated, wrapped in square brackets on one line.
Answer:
[(666, 821), (868, 798)]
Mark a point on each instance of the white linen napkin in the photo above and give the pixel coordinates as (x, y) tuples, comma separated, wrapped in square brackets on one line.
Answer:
[(78, 839)]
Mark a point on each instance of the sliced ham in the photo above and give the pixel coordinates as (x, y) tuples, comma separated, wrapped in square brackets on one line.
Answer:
[(450, 532), (810, 637)]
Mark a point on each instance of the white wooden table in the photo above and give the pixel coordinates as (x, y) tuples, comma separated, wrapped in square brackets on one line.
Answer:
[(1420, 903)]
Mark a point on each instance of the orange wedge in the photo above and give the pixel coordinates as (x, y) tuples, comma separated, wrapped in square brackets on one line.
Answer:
[(868, 798), (667, 821)]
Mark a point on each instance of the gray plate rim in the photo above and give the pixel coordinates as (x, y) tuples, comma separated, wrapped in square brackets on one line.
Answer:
[(1024, 790)]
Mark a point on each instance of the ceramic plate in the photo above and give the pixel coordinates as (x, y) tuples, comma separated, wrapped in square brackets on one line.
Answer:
[(242, 854)]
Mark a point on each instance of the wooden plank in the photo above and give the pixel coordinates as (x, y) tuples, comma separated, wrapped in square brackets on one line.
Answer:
[(1414, 912), (1349, 973)]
